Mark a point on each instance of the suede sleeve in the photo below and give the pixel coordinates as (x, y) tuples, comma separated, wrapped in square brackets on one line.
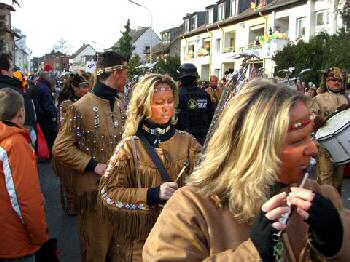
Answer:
[(65, 148), (181, 234), (331, 193)]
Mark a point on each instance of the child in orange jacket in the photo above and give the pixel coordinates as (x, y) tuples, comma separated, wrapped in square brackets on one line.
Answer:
[(22, 221)]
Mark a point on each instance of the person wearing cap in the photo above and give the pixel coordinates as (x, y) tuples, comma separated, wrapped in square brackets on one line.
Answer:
[(73, 89), (323, 106), (86, 141), (195, 109)]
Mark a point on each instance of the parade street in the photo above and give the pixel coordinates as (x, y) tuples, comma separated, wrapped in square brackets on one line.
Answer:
[(65, 227)]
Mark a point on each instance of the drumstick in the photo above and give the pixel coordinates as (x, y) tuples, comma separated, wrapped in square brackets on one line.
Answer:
[(186, 164)]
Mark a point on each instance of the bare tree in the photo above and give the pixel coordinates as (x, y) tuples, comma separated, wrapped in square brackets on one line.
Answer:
[(62, 46)]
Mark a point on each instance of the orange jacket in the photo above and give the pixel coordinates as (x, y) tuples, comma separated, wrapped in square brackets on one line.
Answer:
[(23, 227)]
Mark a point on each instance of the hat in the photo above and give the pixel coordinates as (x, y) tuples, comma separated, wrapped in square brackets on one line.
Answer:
[(47, 68), (334, 72)]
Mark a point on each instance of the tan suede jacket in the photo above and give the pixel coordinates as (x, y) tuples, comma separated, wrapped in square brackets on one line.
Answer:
[(91, 130), (195, 228), (62, 111), (123, 188), (327, 103)]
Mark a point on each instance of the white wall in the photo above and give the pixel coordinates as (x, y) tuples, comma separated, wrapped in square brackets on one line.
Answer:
[(149, 38), (88, 51), (291, 16)]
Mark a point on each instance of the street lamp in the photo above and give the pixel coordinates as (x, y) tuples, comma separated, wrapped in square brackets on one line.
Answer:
[(150, 13)]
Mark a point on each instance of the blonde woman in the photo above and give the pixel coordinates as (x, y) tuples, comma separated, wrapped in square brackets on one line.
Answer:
[(133, 188), (232, 206)]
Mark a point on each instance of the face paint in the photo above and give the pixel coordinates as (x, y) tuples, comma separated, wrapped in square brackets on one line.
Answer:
[(163, 106), (299, 147), (335, 84)]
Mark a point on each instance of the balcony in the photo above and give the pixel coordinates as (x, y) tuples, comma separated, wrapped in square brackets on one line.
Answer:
[(229, 49)]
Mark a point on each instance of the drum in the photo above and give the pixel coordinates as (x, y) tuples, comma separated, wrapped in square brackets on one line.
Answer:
[(335, 137)]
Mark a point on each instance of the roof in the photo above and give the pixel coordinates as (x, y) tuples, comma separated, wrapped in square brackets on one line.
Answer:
[(160, 48), (276, 4), (163, 47), (135, 34), (83, 47), (6, 6)]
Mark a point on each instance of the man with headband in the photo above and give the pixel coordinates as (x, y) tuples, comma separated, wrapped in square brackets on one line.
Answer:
[(93, 127), (323, 106)]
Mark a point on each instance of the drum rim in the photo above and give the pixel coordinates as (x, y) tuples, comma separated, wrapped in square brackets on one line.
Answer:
[(344, 162), (336, 132)]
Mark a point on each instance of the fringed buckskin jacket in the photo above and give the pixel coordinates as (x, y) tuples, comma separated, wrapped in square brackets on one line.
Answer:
[(130, 173), (327, 103), (195, 228), (91, 131)]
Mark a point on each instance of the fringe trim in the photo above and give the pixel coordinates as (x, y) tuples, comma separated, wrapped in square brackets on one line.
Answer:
[(86, 202), (133, 224)]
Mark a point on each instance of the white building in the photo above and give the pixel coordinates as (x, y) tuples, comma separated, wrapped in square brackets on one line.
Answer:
[(233, 27), (143, 40), (80, 59), (22, 52)]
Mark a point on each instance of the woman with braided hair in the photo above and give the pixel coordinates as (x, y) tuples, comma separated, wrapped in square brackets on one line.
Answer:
[(74, 88), (135, 185)]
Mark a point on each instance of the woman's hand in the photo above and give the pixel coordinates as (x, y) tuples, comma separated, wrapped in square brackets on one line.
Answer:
[(301, 198), (267, 224), (274, 208), (319, 212), (167, 189)]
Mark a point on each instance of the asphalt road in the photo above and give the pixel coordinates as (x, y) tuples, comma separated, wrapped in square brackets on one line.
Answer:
[(64, 228)]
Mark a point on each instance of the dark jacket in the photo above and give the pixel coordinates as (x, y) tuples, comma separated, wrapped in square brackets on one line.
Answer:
[(45, 108), (195, 112), (6, 81)]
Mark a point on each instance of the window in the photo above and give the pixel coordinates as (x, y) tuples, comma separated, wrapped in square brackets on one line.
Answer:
[(187, 25), (301, 28), (147, 50), (166, 37), (190, 53), (211, 16), (218, 45), (221, 11), (322, 18), (194, 22), (233, 7)]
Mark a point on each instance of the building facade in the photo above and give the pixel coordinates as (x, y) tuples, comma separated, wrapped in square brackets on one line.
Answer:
[(236, 26), (144, 39), (84, 55), (7, 41), (170, 46), (22, 52)]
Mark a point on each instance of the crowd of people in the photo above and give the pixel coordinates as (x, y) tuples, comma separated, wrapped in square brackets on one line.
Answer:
[(134, 173)]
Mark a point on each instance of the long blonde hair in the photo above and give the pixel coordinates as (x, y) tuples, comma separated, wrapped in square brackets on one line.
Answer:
[(242, 159), (140, 103)]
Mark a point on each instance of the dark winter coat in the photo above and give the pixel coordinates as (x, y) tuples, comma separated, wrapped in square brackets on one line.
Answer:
[(45, 108), (195, 112), (6, 81)]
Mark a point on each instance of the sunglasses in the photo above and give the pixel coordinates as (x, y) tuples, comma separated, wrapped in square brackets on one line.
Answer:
[(335, 79)]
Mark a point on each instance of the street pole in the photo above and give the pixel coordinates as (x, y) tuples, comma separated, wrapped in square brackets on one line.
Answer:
[(151, 15)]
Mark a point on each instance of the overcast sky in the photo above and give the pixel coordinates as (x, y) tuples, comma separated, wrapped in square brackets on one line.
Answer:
[(96, 22)]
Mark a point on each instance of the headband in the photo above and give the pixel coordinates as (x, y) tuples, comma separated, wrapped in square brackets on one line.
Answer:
[(109, 69), (300, 124)]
